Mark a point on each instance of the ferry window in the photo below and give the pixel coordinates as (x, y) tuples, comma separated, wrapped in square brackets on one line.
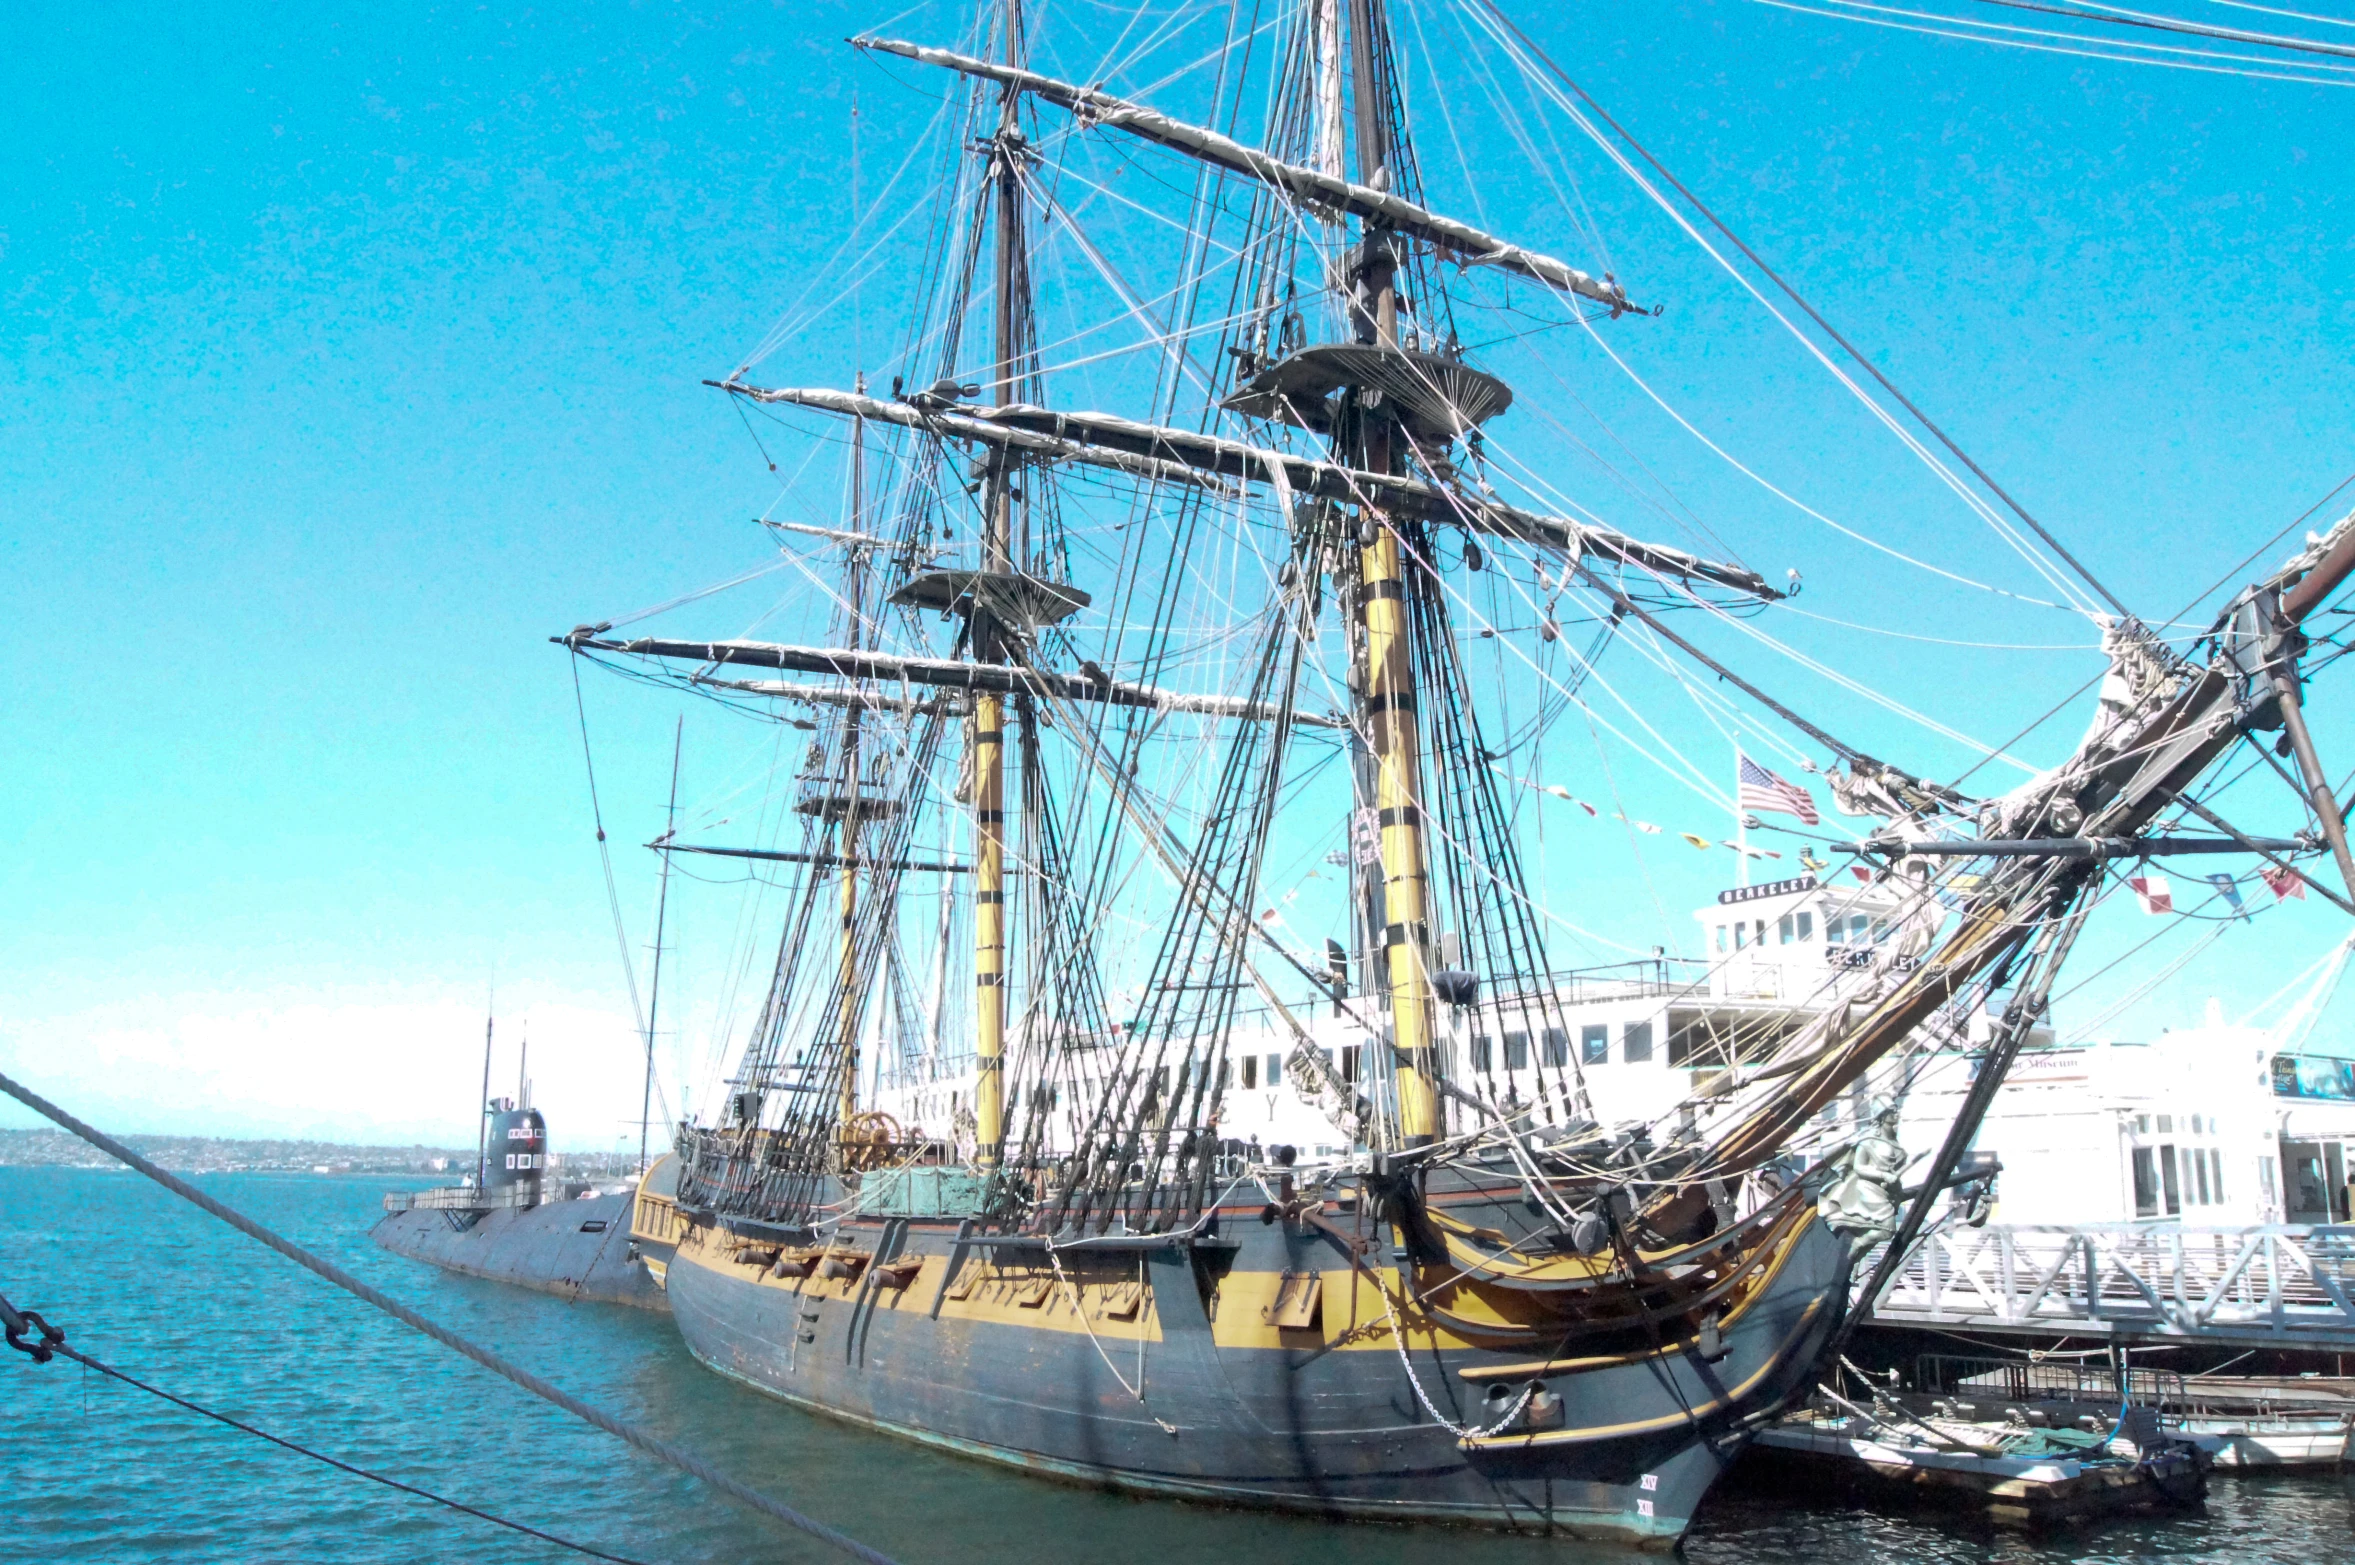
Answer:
[(1483, 1055), (2168, 1181), (1806, 924), (1880, 930), (2195, 1124), (2146, 1183), (1782, 930), (1349, 1057), (1636, 1043), (1275, 1069), (2216, 1173), (1758, 932), (2199, 1173), (1741, 936), (2166, 1124), (1557, 1046), (1721, 937), (1594, 1044), (1835, 929), (1250, 1071), (1516, 1051), (1858, 927), (2142, 1124)]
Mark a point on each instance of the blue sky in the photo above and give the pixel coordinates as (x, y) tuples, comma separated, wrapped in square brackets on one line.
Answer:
[(351, 352)]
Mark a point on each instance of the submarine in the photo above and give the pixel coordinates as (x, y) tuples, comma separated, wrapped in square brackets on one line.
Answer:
[(510, 1222)]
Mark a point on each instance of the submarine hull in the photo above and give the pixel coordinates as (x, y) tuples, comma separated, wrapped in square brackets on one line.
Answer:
[(578, 1249)]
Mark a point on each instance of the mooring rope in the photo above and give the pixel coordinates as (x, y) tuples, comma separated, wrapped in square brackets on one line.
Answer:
[(662, 1450), (40, 1341)]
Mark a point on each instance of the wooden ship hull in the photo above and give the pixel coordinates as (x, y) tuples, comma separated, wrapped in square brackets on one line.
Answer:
[(1253, 1363), (1470, 1305)]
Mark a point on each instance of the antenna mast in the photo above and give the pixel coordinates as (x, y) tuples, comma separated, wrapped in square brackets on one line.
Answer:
[(482, 1105), (662, 904)]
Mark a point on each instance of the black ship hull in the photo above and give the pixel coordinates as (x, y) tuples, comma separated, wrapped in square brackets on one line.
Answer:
[(575, 1249), (1003, 1351)]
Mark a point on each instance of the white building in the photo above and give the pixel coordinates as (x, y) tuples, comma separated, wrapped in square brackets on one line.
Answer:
[(2217, 1125)]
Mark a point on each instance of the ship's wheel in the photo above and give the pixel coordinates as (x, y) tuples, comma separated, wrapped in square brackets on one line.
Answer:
[(868, 1139)]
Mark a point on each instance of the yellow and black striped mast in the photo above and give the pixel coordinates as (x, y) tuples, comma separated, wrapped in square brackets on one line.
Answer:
[(854, 765), (989, 707), (1387, 713)]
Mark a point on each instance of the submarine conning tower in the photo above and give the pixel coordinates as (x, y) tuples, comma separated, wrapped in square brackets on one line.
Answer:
[(518, 1153)]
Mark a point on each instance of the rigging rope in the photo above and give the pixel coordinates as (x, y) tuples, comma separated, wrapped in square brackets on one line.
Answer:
[(2105, 49), (605, 851), (661, 1450), (1491, 10), (2167, 24)]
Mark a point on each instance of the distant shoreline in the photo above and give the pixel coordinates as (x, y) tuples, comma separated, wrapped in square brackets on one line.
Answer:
[(43, 1148)]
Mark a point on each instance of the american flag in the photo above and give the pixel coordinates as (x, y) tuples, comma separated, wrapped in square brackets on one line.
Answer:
[(1756, 788)]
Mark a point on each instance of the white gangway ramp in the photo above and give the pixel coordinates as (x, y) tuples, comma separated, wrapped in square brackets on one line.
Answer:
[(2275, 1286)]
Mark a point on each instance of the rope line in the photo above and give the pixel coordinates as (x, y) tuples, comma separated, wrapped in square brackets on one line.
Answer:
[(54, 1340), (1812, 313), (661, 1450)]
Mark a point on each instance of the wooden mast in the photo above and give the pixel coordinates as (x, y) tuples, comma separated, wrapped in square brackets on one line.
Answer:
[(989, 708), (854, 795), (1386, 703)]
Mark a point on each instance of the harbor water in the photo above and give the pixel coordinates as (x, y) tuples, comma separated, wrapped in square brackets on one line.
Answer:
[(97, 1471)]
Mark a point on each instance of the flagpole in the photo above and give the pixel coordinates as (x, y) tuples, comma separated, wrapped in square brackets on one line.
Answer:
[(1741, 824)]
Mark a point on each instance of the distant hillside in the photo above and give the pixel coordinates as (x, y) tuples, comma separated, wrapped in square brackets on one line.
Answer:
[(216, 1154)]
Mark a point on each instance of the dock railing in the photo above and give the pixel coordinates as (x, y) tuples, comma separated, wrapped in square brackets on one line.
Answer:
[(2046, 1380), (2279, 1285)]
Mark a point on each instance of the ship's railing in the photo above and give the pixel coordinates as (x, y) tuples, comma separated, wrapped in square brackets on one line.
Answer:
[(465, 1198), (2278, 1284), (2019, 1380)]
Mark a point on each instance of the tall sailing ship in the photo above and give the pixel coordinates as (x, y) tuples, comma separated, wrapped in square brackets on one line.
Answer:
[(1046, 801)]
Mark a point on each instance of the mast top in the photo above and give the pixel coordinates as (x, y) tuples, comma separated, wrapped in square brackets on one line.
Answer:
[(1438, 398)]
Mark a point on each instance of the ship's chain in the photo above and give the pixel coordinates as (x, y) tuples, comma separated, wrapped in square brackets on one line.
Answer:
[(1510, 1416)]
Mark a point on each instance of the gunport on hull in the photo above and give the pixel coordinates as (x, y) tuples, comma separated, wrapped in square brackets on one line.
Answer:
[(1259, 1363)]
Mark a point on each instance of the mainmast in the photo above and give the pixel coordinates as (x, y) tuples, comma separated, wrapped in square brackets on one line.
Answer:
[(854, 589), (989, 709), (1386, 689)]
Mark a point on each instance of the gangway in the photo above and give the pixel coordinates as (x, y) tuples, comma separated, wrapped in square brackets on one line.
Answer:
[(2274, 1286)]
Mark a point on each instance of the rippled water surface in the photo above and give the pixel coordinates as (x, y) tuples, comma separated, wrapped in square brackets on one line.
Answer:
[(95, 1471)]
